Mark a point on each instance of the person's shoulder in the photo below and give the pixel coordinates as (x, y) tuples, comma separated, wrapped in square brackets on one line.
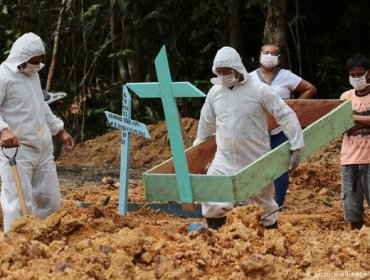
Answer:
[(348, 94), (253, 73), (258, 87), (5, 71), (2, 68), (257, 83), (287, 72), (215, 89), (3, 74)]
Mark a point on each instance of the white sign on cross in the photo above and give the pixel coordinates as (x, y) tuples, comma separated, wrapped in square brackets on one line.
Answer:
[(128, 126)]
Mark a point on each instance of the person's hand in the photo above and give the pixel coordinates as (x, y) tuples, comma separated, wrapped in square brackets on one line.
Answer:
[(66, 139), (295, 157), (8, 139)]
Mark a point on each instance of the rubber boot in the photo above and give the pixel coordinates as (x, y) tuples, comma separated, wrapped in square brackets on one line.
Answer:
[(357, 225), (273, 226), (215, 223)]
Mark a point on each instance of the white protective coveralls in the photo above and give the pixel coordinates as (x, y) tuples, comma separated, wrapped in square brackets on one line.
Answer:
[(24, 112), (238, 116)]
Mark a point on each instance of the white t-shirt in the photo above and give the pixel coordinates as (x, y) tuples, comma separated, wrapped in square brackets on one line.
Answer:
[(283, 83)]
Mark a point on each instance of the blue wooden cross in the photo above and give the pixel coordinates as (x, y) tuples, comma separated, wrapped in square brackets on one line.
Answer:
[(128, 126), (167, 91)]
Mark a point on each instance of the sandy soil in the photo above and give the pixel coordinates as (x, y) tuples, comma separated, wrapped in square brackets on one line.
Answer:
[(97, 243)]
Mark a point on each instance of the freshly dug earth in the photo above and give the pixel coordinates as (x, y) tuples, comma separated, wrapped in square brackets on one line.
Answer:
[(97, 243)]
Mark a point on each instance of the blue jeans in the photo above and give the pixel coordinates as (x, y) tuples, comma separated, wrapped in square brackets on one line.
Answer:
[(280, 183), (355, 189)]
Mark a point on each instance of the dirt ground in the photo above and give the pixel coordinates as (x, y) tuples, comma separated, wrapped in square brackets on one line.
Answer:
[(97, 243)]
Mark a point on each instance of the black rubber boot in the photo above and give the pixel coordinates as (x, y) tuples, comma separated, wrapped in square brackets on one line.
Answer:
[(215, 223), (357, 225), (273, 226)]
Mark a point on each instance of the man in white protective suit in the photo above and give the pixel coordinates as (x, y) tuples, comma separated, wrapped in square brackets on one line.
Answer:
[(236, 109), (27, 122)]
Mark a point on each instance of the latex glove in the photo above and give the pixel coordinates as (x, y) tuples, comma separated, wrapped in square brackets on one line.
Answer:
[(295, 157)]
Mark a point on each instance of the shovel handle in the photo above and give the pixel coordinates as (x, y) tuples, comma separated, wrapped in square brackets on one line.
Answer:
[(272, 212), (17, 181), (19, 190)]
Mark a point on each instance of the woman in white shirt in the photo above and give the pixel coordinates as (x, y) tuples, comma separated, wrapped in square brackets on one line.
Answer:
[(283, 82)]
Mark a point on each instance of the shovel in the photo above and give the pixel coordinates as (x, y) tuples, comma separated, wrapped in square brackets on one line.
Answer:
[(13, 166)]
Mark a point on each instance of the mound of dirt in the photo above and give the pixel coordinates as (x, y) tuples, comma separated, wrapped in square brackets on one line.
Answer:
[(144, 153), (95, 242)]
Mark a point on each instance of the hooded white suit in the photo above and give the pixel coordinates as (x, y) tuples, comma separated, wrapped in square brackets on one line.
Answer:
[(24, 112), (238, 116)]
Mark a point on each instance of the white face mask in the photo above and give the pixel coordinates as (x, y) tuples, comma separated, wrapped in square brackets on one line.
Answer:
[(228, 80), (31, 69), (358, 83), (269, 60)]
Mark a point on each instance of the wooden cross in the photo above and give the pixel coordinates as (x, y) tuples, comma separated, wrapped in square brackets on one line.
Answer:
[(128, 126), (168, 91)]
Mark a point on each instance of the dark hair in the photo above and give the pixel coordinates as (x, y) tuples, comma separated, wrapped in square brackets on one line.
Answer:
[(271, 45), (356, 60)]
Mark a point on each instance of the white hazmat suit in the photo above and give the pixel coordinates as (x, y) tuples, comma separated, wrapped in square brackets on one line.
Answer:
[(24, 112), (238, 116)]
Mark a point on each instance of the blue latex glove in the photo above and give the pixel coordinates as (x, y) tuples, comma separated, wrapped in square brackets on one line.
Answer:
[(295, 157)]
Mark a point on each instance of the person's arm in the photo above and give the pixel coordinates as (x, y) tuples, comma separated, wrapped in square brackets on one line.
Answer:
[(207, 121), (363, 121), (7, 138), (56, 127), (360, 123), (289, 122), (55, 124), (285, 117), (305, 89)]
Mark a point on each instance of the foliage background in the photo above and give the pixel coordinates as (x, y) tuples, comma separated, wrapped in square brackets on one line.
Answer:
[(104, 44)]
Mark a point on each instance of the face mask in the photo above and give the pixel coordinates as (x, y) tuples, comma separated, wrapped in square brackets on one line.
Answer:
[(358, 83), (269, 60), (31, 69), (228, 80)]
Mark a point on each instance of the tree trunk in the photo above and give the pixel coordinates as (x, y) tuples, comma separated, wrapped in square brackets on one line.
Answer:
[(235, 28), (121, 69), (64, 6), (132, 40), (275, 31)]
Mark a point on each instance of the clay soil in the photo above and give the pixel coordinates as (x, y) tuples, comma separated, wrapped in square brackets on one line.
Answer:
[(97, 243)]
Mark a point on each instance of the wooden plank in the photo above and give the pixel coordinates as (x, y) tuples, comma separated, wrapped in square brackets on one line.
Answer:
[(128, 126), (152, 89), (198, 158), (171, 208), (166, 90), (308, 110), (270, 166), (256, 175), (163, 187)]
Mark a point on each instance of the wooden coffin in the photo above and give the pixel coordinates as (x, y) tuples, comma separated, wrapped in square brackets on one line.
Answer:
[(321, 120)]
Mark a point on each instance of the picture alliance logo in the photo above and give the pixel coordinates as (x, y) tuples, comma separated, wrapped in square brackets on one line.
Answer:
[(342, 274)]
